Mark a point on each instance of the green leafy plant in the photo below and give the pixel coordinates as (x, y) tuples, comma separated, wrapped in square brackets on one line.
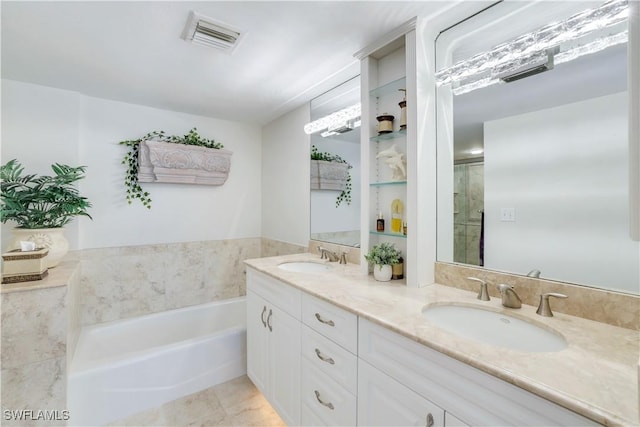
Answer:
[(383, 254), (134, 190), (41, 201), (345, 195)]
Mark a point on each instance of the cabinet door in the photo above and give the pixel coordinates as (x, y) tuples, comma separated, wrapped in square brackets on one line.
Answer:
[(257, 344), (382, 401), (284, 364), (451, 421)]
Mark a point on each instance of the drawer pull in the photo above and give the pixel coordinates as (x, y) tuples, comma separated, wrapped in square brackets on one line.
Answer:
[(430, 421), (269, 320), (326, 322), (264, 310), (328, 405), (324, 358)]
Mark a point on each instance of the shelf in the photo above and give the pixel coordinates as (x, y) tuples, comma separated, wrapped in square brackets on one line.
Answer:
[(386, 183), (388, 234), (388, 136), (391, 87)]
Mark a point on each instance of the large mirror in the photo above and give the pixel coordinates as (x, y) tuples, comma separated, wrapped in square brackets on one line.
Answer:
[(533, 143), (335, 207)]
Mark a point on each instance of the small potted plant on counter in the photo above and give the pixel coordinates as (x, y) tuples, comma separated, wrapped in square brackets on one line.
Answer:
[(383, 256), (41, 206)]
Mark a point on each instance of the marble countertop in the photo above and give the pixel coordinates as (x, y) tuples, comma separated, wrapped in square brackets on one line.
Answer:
[(596, 375)]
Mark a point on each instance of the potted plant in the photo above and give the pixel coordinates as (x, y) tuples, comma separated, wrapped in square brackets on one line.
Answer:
[(383, 256), (187, 159), (331, 172), (41, 206)]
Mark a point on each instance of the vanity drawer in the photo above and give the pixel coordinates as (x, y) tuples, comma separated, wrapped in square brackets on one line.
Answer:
[(330, 358), (334, 323), (325, 398), (278, 293)]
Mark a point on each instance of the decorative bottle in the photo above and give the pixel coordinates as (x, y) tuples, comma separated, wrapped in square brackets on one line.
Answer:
[(380, 223)]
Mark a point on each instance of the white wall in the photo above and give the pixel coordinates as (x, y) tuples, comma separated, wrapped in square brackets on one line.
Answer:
[(285, 178), (564, 171), (41, 125)]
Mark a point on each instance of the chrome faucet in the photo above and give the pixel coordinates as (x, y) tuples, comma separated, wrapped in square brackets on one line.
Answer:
[(327, 254), (534, 273), (544, 309), (509, 296), (483, 294), (343, 257)]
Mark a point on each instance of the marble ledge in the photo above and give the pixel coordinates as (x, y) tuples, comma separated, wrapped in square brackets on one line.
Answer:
[(595, 376), (58, 276)]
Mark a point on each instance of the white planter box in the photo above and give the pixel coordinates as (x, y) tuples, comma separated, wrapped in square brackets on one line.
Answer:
[(187, 164), (329, 175)]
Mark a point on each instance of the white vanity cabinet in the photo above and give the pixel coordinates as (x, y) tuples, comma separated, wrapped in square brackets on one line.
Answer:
[(383, 401), (273, 343), (329, 364), (472, 396)]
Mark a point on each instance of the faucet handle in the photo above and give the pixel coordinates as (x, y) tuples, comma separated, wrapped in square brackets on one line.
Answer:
[(343, 257), (483, 294), (323, 252), (544, 309)]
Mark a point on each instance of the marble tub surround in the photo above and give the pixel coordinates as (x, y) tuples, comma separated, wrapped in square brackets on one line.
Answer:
[(595, 376), (38, 339), (346, 238), (353, 254), (614, 308), (270, 247), (119, 283)]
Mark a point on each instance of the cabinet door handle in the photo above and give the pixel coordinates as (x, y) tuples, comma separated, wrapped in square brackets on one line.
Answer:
[(327, 404), (324, 358), (269, 320), (322, 320), (264, 310), (430, 421)]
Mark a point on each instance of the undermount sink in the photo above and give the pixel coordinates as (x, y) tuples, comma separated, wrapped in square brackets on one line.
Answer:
[(494, 328), (304, 267)]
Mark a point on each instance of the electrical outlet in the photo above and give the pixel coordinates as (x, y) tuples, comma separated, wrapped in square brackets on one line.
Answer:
[(508, 214)]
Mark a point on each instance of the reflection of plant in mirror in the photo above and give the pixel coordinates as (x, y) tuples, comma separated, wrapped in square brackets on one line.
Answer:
[(345, 195), (383, 254)]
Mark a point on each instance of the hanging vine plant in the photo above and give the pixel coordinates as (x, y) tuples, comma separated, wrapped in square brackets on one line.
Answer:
[(134, 190), (345, 195)]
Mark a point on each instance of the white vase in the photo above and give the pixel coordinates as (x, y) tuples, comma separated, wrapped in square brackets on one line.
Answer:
[(382, 273), (50, 238)]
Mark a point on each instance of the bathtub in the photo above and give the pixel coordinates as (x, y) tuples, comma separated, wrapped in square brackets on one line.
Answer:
[(127, 366)]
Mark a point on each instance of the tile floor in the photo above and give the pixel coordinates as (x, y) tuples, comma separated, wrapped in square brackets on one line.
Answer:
[(234, 403)]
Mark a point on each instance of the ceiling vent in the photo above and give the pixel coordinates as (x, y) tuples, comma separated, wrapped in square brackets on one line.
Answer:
[(205, 31)]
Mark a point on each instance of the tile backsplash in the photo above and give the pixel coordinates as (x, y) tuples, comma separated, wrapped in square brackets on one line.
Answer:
[(604, 306)]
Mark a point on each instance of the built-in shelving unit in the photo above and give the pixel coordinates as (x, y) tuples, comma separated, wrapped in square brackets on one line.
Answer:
[(388, 76)]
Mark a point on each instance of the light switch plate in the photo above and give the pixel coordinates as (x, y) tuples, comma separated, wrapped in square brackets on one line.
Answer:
[(508, 214)]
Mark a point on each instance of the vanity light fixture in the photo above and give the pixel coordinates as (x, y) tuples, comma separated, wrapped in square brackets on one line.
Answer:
[(339, 122), (209, 32), (522, 56)]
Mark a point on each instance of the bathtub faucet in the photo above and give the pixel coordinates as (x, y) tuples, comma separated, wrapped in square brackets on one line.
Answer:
[(534, 273)]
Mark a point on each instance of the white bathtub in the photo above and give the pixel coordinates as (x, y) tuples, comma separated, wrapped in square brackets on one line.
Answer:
[(124, 367)]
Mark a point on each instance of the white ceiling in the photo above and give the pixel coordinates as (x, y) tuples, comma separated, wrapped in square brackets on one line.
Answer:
[(132, 51)]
